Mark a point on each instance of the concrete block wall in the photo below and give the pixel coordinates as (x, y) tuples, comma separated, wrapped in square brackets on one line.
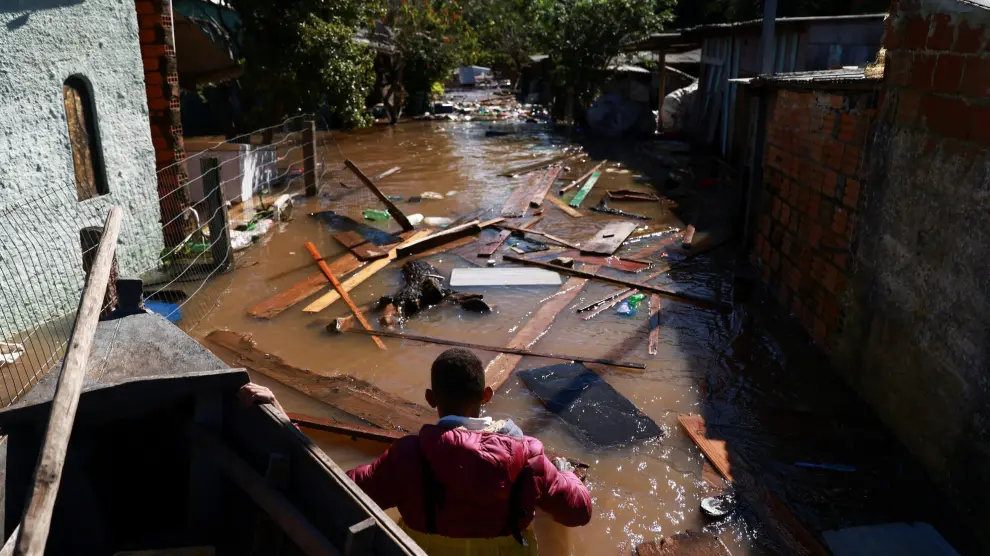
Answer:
[(918, 314), (813, 183), (161, 79), (42, 44)]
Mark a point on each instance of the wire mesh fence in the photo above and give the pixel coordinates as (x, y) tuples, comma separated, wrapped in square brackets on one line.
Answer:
[(180, 237)]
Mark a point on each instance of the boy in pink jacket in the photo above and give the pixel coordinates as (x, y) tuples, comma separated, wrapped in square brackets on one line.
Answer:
[(469, 478)]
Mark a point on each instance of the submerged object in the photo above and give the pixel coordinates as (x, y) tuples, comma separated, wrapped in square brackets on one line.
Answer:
[(718, 506)]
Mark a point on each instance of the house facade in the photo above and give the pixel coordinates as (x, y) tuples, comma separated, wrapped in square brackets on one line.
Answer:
[(74, 140)]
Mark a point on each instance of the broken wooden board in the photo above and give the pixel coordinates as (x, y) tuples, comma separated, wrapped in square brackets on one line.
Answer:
[(688, 238), (472, 277), (696, 299), (339, 223), (691, 543), (526, 230), (499, 349), (359, 246), (499, 369), (392, 209), (654, 345), (467, 240), (518, 202), (609, 238), (537, 165), (346, 429), (437, 239), (358, 278), (564, 206), (488, 249), (782, 526), (543, 186), (589, 405), (618, 263), (340, 291), (585, 189), (351, 395), (583, 177)]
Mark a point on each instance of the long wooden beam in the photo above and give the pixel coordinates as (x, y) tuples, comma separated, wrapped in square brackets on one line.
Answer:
[(392, 209), (538, 165), (500, 368), (346, 429), (513, 350), (552, 238), (341, 291), (358, 278), (439, 238), (37, 519), (705, 301)]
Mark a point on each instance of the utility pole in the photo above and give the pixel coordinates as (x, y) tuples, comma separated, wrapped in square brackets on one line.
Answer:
[(767, 42)]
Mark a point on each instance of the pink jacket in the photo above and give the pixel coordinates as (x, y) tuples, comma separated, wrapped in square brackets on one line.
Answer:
[(475, 472)]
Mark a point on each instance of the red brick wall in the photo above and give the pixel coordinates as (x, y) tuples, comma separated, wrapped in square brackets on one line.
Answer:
[(161, 80), (813, 183)]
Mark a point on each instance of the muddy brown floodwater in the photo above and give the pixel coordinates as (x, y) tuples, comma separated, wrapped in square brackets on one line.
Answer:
[(640, 491)]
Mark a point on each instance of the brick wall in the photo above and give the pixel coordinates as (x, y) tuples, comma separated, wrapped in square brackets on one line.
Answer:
[(161, 79), (813, 182)]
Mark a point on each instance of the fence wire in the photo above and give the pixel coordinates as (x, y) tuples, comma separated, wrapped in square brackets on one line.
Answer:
[(181, 242)]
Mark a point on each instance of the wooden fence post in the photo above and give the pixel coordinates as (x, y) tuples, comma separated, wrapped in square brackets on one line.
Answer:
[(216, 213), (89, 240), (309, 157)]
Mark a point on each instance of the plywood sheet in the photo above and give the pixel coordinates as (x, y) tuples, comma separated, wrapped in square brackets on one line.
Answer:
[(609, 238), (466, 277)]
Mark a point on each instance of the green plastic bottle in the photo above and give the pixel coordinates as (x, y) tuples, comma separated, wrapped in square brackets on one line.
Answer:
[(635, 300), (376, 215)]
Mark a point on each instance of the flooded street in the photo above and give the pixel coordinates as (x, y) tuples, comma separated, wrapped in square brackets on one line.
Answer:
[(724, 366)]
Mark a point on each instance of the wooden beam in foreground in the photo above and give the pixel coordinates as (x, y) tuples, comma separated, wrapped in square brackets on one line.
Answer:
[(564, 206), (499, 369), (392, 209), (359, 277), (782, 525), (513, 350), (37, 520), (351, 395), (698, 300), (341, 291)]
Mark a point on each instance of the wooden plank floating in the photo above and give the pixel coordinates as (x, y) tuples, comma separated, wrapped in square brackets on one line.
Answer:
[(543, 186), (609, 238), (618, 263), (538, 165), (341, 291), (439, 238), (583, 177), (688, 240), (363, 249), (526, 230), (499, 369), (386, 173), (389, 205), (585, 189), (511, 350), (358, 278), (654, 324), (564, 206), (351, 395), (489, 249), (518, 202), (471, 277), (704, 301)]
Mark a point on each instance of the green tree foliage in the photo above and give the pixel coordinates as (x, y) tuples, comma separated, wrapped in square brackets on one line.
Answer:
[(301, 55), (584, 36), (506, 31)]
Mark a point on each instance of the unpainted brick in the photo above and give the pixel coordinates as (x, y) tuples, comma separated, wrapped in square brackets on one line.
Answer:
[(942, 34), (948, 73)]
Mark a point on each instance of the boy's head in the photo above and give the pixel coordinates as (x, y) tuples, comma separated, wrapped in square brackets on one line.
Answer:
[(457, 384)]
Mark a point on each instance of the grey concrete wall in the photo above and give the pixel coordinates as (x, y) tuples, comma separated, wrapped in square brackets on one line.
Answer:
[(916, 339), (43, 42)]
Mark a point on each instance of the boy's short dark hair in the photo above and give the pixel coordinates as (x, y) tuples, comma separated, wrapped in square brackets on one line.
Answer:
[(457, 377)]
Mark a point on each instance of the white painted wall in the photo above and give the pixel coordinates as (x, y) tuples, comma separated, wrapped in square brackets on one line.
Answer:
[(43, 42)]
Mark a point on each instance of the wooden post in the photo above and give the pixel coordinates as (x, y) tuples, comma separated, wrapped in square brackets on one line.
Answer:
[(89, 240), (216, 212), (37, 519), (309, 157), (392, 209), (662, 67)]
